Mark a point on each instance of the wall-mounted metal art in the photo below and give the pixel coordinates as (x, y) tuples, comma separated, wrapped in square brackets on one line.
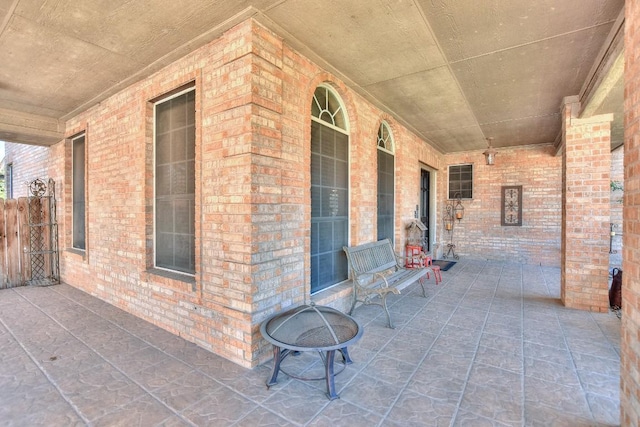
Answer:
[(511, 212)]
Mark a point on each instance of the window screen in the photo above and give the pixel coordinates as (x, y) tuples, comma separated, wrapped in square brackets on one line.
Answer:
[(329, 205), (8, 181), (78, 185), (175, 183), (385, 184), (461, 181)]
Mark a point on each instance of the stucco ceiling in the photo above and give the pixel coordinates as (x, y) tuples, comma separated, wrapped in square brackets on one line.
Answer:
[(454, 71)]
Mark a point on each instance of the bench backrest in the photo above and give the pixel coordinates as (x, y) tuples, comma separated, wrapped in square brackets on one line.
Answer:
[(371, 257)]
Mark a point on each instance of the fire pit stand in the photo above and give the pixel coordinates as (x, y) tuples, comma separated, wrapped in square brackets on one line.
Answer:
[(311, 328)]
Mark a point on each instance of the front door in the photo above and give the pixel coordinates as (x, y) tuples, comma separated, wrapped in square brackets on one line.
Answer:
[(425, 185)]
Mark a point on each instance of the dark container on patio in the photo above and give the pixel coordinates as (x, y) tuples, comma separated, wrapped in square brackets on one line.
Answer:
[(311, 328)]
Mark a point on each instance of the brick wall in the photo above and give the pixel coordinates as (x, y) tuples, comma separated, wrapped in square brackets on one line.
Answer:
[(630, 345), (586, 211), (253, 101), (480, 234), (29, 162)]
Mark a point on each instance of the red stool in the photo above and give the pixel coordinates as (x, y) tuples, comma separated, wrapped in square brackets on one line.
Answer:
[(435, 268), (416, 258)]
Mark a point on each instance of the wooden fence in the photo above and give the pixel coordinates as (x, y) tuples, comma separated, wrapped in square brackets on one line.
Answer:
[(28, 242)]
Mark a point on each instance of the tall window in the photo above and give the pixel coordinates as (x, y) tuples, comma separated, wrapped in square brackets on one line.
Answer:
[(461, 181), (329, 190), (385, 183), (8, 181), (175, 182), (78, 189)]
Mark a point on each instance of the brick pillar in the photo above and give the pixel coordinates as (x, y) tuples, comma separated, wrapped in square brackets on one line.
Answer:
[(586, 209), (254, 196), (630, 342)]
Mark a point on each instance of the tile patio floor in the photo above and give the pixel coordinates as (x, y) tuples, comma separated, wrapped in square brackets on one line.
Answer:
[(490, 346)]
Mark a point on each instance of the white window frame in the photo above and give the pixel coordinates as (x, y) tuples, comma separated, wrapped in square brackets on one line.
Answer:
[(388, 145), (155, 104), (73, 180), (346, 131)]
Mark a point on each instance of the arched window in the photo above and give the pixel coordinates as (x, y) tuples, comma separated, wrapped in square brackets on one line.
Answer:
[(327, 108), (386, 193), (385, 138), (329, 189)]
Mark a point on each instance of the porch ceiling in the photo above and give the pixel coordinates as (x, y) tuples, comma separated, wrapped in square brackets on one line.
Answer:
[(453, 71)]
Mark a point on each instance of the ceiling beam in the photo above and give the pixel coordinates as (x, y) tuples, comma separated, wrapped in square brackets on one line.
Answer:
[(606, 71), (30, 129)]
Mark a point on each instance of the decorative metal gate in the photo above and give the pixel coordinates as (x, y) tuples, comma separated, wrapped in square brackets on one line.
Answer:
[(43, 234), (29, 238)]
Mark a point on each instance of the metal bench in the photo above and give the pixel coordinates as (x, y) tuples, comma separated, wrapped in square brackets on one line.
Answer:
[(376, 271)]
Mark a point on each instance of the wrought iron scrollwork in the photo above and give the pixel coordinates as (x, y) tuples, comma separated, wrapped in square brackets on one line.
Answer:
[(37, 187), (43, 234)]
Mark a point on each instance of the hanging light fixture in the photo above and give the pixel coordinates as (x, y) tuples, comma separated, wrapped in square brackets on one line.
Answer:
[(490, 153)]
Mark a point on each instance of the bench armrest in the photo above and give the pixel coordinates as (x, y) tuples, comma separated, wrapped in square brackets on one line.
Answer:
[(382, 275)]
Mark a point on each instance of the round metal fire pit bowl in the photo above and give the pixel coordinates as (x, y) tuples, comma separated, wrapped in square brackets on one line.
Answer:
[(311, 328)]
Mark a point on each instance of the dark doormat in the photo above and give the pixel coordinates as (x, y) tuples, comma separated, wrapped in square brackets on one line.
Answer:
[(443, 264)]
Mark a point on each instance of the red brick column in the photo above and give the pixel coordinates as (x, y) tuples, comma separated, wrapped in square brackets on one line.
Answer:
[(586, 195), (630, 342)]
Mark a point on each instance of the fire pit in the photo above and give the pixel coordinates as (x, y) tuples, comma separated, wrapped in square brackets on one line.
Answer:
[(311, 328)]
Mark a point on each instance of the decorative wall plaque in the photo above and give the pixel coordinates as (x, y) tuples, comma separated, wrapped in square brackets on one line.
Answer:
[(512, 205)]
